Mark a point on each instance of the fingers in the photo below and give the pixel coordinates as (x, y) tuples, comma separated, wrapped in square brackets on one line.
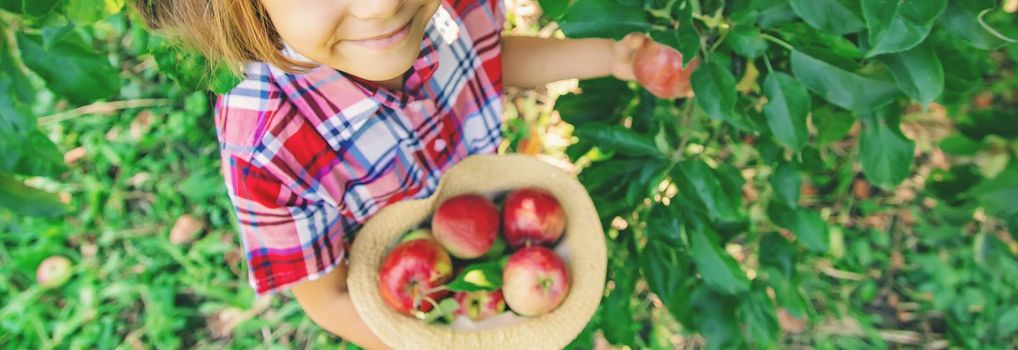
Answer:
[(626, 48), (634, 40)]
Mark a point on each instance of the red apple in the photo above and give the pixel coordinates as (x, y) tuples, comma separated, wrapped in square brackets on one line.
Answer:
[(53, 272), (410, 271), (466, 225), (481, 304), (535, 281), (532, 216), (659, 69)]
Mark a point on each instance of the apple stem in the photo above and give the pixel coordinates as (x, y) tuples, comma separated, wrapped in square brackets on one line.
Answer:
[(431, 301), (435, 290)]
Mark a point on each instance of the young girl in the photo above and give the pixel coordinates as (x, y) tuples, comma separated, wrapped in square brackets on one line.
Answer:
[(348, 106)]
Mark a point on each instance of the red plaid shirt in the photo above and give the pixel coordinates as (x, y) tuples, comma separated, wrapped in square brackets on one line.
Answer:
[(309, 158)]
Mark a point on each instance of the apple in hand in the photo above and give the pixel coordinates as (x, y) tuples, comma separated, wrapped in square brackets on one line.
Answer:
[(481, 304), (659, 69), (532, 216), (535, 281), (466, 225), (410, 271)]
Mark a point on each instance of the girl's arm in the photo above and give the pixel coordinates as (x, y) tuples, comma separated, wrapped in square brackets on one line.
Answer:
[(532, 62), (327, 302)]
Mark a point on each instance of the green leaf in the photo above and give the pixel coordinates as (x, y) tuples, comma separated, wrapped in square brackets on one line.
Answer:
[(13, 6), (788, 104), (192, 70), (19, 86), (896, 26), (836, 16), (842, 88), (809, 229), (23, 200), (715, 319), (999, 196), (802, 35), (667, 272), (885, 153), (446, 309), (664, 225), (223, 80), (1007, 324), (688, 39), (603, 19), (644, 182), (85, 11), (619, 328), (685, 40), (715, 93), (785, 183), (718, 269), (114, 6), (605, 180), (15, 118), (698, 182), (787, 293), (960, 21), (832, 125), (497, 249), (757, 313), (38, 8), (618, 138), (553, 8), (486, 276), (746, 41), (70, 68), (16, 122), (779, 253), (600, 101), (45, 159), (918, 72), (771, 13)]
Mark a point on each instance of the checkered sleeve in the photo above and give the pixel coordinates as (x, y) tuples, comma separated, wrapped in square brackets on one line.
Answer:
[(288, 235), (498, 9)]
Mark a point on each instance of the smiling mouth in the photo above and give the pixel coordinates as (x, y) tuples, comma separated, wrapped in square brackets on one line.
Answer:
[(385, 40)]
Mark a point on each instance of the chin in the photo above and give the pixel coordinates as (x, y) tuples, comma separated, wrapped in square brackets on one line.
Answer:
[(382, 69), (381, 65)]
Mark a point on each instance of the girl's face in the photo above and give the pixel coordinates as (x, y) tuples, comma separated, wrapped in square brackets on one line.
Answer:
[(372, 39)]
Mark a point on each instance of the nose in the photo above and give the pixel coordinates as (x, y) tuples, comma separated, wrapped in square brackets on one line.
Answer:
[(376, 9)]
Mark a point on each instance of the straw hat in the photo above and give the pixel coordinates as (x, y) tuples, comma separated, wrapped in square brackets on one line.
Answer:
[(582, 247)]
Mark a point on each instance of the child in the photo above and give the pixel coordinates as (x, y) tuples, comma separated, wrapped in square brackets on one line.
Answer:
[(351, 105)]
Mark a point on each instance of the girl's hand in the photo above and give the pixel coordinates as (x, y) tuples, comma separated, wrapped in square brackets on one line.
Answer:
[(624, 52), (657, 67)]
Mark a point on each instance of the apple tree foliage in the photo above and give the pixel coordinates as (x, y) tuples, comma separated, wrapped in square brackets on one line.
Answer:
[(703, 195), (49, 52), (687, 183)]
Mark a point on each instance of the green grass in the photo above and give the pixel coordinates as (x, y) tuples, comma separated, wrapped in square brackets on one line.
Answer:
[(131, 286)]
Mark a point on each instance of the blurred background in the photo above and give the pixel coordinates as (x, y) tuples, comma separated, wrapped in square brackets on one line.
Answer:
[(109, 168)]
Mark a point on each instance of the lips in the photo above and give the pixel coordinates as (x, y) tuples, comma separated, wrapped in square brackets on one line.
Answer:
[(385, 40)]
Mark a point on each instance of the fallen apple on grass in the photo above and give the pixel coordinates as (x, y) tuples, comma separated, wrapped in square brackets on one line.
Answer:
[(53, 272), (535, 281), (466, 225)]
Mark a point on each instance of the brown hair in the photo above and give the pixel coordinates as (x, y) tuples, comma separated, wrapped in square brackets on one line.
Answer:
[(228, 32)]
